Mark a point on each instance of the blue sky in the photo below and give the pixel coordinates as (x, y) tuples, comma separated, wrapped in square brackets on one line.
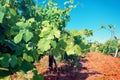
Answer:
[(91, 14)]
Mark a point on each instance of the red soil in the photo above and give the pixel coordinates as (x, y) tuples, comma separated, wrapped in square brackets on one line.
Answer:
[(95, 66)]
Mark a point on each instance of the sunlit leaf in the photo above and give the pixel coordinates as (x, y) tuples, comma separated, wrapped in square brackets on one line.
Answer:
[(45, 32), (56, 33), (44, 45), (18, 37), (27, 36), (27, 57), (5, 78), (1, 16), (13, 12), (23, 25), (31, 20), (20, 24), (29, 46), (53, 44)]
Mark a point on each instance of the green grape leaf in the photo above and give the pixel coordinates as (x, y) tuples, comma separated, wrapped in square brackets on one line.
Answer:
[(27, 36), (44, 45), (13, 61), (7, 1), (19, 50), (26, 66), (53, 43), (18, 37), (50, 37), (73, 49), (5, 60), (56, 32), (70, 50), (1, 16), (5, 78), (29, 46), (20, 24), (45, 23), (70, 46), (77, 50), (23, 25), (75, 33), (62, 44), (13, 12), (114, 44), (58, 51), (19, 61), (27, 57), (31, 20), (45, 32), (38, 77)]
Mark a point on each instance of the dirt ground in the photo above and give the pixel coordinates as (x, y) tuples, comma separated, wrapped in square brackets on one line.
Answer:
[(94, 66)]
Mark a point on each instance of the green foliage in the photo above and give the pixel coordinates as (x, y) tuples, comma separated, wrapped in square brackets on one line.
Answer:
[(8, 60), (27, 36), (44, 45), (1, 13), (18, 37), (108, 47), (13, 61), (38, 77), (4, 60), (33, 30), (1, 17), (5, 78), (27, 57)]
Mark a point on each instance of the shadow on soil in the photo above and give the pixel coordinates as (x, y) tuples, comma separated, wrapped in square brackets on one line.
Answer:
[(69, 72)]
